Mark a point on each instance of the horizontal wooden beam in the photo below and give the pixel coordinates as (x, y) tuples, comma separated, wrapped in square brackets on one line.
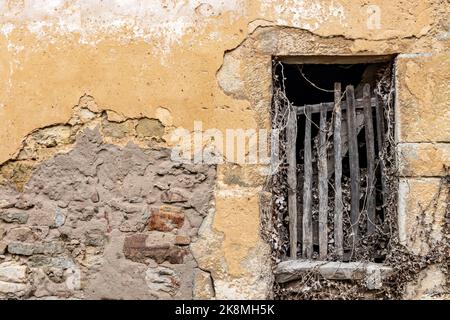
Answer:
[(343, 59), (373, 273), (330, 105)]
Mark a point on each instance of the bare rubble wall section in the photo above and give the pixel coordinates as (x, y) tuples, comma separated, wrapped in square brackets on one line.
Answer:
[(104, 221)]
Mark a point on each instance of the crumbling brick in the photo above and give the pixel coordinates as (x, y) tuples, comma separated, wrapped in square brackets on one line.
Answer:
[(136, 249), (165, 219)]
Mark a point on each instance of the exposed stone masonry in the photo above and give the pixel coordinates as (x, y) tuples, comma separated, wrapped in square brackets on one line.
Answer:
[(101, 220)]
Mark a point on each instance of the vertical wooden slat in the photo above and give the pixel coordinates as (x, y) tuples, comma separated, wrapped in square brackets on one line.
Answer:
[(370, 148), (338, 225), (379, 115), (307, 242), (354, 160), (291, 137), (323, 186)]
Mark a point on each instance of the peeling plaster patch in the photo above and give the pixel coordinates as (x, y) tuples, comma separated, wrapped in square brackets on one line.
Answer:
[(205, 10), (302, 14), (149, 20), (38, 27), (7, 28), (415, 55), (228, 76), (16, 49), (164, 115), (336, 10)]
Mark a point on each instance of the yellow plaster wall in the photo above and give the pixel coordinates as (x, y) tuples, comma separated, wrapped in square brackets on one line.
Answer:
[(135, 57)]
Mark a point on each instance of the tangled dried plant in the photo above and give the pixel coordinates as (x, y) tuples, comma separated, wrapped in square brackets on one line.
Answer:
[(385, 241)]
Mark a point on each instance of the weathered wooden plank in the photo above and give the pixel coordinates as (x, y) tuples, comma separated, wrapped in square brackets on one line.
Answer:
[(333, 59), (338, 204), (295, 269), (307, 242), (323, 186), (344, 139), (291, 137), (328, 106), (379, 115), (354, 161), (370, 150)]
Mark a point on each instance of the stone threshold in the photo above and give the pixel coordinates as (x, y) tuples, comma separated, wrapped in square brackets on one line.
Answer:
[(372, 273)]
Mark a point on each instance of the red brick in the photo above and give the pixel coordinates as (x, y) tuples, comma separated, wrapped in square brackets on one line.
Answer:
[(164, 219), (176, 255), (135, 249)]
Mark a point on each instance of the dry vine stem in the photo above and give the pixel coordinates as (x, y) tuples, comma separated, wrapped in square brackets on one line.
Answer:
[(405, 263)]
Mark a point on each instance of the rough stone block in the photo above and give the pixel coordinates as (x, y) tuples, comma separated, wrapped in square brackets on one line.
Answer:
[(20, 234), (14, 217), (166, 219), (423, 114), (95, 238), (203, 287), (182, 240), (6, 204), (24, 204), (53, 136), (95, 197), (421, 212), (85, 115), (21, 248), (430, 281), (13, 272), (116, 129), (18, 289), (150, 128), (424, 159), (13, 279), (3, 247), (28, 249), (162, 279)]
